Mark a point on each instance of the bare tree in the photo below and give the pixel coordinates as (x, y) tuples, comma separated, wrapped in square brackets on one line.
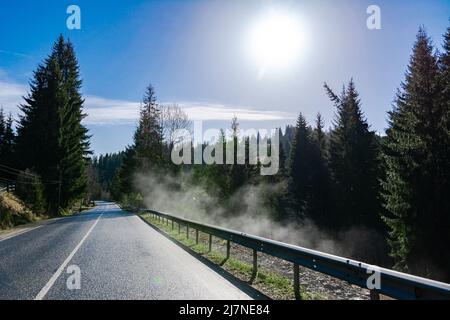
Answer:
[(173, 119)]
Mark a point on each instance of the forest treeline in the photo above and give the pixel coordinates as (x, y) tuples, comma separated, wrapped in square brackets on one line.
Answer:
[(395, 184)]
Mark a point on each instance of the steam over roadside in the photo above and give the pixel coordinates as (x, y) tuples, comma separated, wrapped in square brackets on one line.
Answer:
[(165, 193)]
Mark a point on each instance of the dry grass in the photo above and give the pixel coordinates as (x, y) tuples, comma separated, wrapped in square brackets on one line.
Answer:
[(13, 212)]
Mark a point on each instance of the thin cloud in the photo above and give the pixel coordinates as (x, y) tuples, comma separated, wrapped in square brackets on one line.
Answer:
[(209, 111), (17, 54), (11, 94), (102, 111)]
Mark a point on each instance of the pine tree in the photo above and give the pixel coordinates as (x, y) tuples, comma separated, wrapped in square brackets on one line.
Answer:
[(282, 156), (417, 157), (320, 210), (301, 162), (7, 139), (3, 174), (124, 180), (353, 163), (148, 138), (2, 124), (51, 139), (8, 142), (320, 135)]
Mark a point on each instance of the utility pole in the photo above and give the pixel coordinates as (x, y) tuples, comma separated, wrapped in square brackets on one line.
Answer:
[(59, 192)]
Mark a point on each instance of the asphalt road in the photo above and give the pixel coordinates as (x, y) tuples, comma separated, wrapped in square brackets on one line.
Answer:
[(118, 256)]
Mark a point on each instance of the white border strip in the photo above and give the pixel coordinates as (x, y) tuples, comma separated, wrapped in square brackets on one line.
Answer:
[(18, 233)]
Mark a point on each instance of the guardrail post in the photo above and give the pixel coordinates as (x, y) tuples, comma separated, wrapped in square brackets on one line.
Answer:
[(228, 249), (255, 266), (374, 295), (179, 228), (196, 236), (167, 221), (172, 224), (297, 282), (210, 243), (187, 231)]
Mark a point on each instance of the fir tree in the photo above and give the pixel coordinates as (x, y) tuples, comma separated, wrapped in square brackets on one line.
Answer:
[(51, 139), (148, 138), (7, 140), (123, 183), (301, 162), (353, 162), (320, 210), (417, 157), (2, 124)]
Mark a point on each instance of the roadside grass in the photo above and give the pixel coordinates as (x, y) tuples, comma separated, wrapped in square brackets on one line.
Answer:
[(13, 212), (273, 285), (77, 208)]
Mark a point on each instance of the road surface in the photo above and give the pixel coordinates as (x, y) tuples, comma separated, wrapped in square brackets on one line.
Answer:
[(115, 254)]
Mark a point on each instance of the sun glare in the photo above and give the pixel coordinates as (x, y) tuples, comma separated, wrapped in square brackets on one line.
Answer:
[(276, 41)]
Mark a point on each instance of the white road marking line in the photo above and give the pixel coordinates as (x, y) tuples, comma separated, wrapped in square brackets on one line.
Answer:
[(19, 233), (58, 272)]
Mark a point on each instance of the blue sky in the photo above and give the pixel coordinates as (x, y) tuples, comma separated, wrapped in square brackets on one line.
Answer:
[(194, 54)]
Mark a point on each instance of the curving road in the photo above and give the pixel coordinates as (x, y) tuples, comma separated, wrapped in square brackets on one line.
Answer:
[(118, 256)]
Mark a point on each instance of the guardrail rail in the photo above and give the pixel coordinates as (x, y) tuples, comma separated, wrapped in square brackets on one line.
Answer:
[(393, 284)]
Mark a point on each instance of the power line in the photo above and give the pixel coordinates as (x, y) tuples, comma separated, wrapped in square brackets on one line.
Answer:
[(27, 182), (11, 170)]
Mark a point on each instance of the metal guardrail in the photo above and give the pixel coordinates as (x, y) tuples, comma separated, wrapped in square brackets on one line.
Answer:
[(393, 284)]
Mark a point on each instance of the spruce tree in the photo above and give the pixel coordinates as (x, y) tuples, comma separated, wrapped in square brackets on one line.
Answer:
[(51, 139), (2, 124), (148, 138), (320, 210), (7, 140), (237, 172), (123, 184), (353, 162), (417, 157), (301, 162)]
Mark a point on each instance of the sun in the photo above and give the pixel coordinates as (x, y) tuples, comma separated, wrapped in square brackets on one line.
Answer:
[(276, 41)]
